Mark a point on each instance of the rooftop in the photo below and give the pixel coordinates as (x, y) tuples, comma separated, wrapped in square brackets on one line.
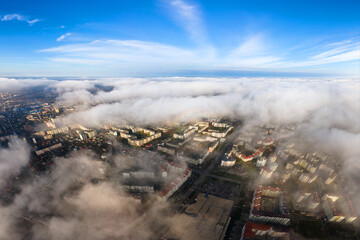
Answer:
[(206, 219)]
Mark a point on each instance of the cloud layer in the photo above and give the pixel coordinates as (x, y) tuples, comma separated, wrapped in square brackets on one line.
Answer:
[(149, 101), (12, 159), (326, 112), (65, 204)]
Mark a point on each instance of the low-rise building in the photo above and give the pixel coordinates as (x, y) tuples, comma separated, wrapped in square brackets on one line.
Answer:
[(268, 140), (213, 146), (184, 174), (306, 202), (204, 138), (247, 158), (272, 157), (338, 208), (256, 231), (218, 130), (330, 179), (261, 162), (307, 177), (266, 172), (206, 219), (48, 149), (269, 206), (137, 136), (228, 161), (185, 132), (196, 152)]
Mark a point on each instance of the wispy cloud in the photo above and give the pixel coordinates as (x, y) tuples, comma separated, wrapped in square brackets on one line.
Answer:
[(252, 45), (334, 52), (19, 17), (123, 53), (338, 48), (81, 61), (62, 37), (252, 53), (189, 18)]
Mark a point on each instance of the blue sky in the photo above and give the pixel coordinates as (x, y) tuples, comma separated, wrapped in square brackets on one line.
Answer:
[(175, 37)]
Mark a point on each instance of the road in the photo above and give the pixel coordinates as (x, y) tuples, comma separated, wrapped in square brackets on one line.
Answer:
[(205, 172), (226, 179)]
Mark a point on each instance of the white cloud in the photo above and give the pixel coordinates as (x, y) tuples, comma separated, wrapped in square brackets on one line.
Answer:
[(19, 17), (253, 53), (62, 37), (148, 101), (336, 52), (189, 17), (152, 55), (9, 84), (124, 53), (64, 204), (341, 47), (325, 110), (81, 61), (252, 45), (13, 159), (11, 17), (31, 22)]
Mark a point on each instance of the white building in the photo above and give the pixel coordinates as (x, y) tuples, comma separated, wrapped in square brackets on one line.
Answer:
[(261, 162)]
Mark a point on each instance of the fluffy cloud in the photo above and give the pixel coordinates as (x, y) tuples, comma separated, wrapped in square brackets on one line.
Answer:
[(65, 204), (10, 84), (149, 101), (12, 159), (326, 112)]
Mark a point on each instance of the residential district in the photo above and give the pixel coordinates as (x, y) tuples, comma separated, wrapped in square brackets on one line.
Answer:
[(222, 180)]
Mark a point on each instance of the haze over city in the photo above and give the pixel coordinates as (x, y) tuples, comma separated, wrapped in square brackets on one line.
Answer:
[(179, 119)]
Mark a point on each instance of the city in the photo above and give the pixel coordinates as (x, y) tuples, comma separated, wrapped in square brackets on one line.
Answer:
[(179, 120), (221, 178)]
